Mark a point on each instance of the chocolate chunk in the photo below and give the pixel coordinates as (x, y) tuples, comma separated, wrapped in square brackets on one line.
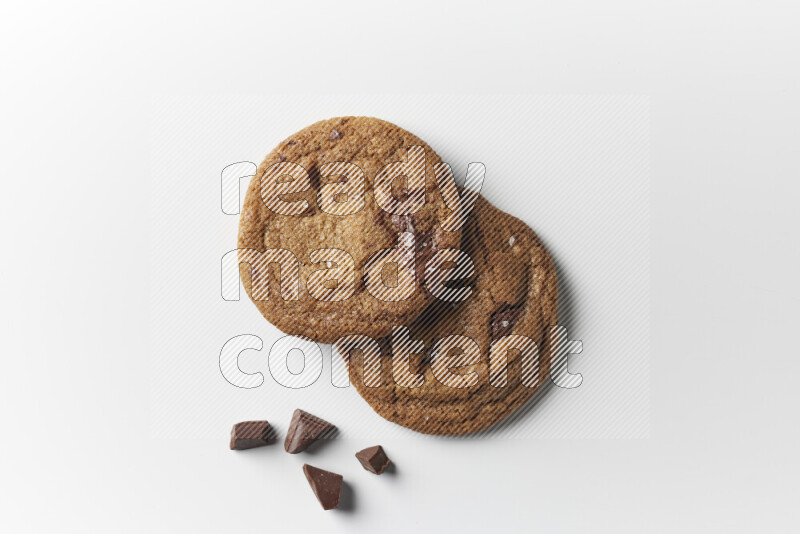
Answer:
[(304, 430), (403, 223), (310, 211), (427, 245), (426, 358), (460, 283), (374, 459), (503, 319), (327, 486), (250, 434), (314, 177)]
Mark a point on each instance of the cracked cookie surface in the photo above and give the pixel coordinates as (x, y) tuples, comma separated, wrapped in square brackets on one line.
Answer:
[(514, 292), (368, 144)]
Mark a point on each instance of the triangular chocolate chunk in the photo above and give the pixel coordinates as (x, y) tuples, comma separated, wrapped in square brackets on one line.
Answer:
[(327, 486), (374, 459), (304, 430), (250, 434)]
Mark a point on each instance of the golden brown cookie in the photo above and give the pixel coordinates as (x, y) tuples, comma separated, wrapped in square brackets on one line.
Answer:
[(460, 389), (320, 207)]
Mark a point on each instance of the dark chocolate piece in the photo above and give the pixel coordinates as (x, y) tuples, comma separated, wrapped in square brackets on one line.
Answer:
[(403, 223), (314, 177), (327, 486), (310, 211), (374, 459), (304, 430), (250, 434), (502, 321), (427, 245)]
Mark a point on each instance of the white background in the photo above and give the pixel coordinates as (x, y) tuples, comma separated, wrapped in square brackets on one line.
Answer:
[(79, 81)]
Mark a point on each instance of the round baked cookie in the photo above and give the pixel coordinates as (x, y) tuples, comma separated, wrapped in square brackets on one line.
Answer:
[(344, 154), (514, 294)]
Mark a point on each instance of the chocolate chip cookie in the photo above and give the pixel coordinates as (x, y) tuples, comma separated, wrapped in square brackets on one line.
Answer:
[(321, 206), (447, 383)]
